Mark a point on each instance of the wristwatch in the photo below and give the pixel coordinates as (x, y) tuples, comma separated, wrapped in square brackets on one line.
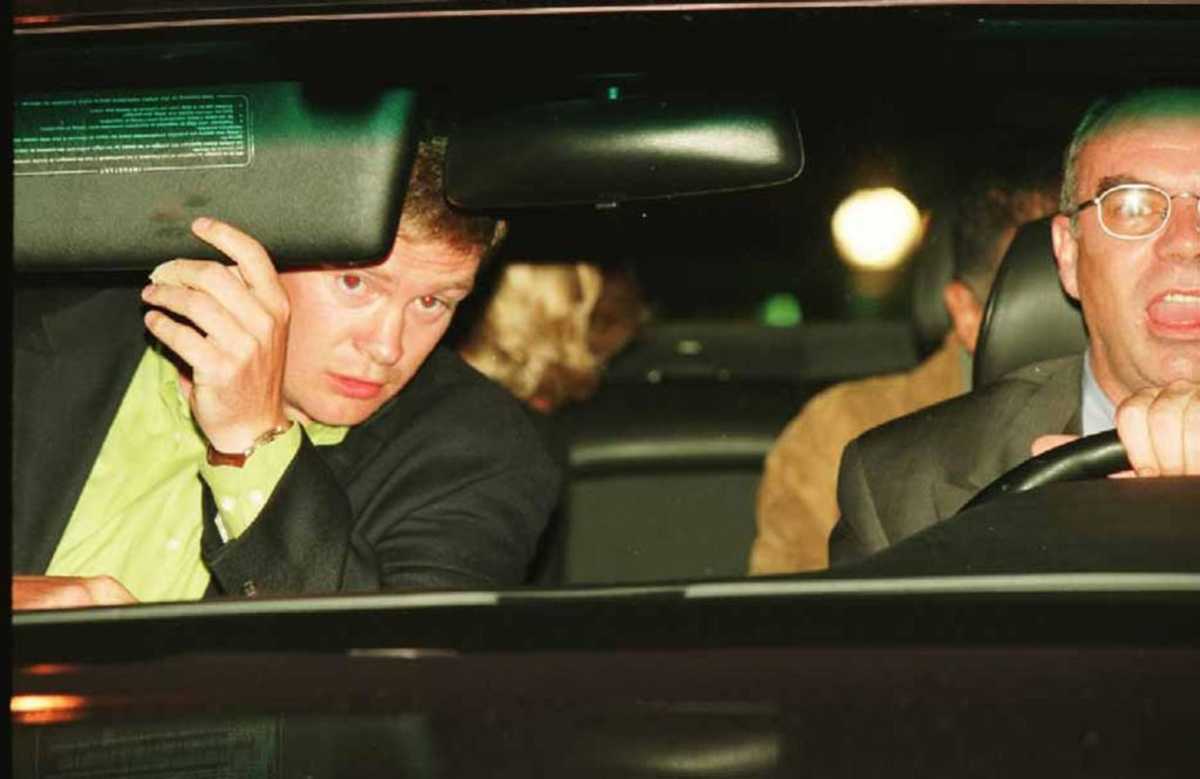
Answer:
[(238, 459)]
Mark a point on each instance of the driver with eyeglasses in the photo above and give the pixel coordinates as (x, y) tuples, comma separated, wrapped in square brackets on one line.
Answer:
[(1127, 243)]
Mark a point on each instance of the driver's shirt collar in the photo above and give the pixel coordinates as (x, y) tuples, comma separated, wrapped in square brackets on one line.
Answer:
[(1098, 413)]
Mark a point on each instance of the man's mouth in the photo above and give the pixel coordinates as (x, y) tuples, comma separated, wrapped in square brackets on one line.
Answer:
[(1176, 312), (351, 387)]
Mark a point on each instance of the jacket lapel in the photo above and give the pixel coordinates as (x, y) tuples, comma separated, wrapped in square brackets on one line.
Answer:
[(1054, 407), (72, 366), (950, 496)]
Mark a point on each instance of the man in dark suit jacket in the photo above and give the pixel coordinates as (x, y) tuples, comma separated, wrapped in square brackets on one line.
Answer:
[(428, 475), (1127, 242)]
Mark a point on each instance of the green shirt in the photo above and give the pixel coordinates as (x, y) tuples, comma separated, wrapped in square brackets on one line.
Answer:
[(138, 518)]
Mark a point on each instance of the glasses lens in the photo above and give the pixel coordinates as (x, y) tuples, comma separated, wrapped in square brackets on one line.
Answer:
[(1134, 211)]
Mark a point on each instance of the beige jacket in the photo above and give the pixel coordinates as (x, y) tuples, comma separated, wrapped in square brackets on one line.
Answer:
[(797, 499)]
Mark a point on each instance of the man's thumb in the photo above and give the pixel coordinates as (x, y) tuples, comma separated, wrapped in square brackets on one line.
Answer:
[(1045, 443)]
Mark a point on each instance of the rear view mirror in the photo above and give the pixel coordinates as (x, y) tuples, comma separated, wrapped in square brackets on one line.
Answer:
[(608, 152), (111, 179)]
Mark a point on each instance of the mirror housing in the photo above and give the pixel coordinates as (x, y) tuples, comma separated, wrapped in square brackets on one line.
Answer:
[(607, 152)]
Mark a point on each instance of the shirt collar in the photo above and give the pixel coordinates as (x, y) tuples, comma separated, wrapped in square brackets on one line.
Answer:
[(1098, 413), (325, 435), (966, 362)]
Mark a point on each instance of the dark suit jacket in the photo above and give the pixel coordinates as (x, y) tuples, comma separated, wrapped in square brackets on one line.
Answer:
[(447, 485), (915, 471)]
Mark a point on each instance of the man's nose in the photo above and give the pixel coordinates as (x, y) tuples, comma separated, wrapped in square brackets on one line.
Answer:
[(1181, 236), (382, 340)]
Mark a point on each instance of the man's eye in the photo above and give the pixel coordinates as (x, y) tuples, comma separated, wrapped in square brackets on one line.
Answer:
[(431, 303), (351, 283), (1136, 205)]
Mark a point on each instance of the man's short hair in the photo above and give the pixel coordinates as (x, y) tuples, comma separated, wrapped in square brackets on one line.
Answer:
[(995, 206), (1107, 112), (426, 215)]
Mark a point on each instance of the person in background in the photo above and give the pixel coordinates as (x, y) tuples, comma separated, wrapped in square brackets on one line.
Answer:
[(549, 329), (797, 498)]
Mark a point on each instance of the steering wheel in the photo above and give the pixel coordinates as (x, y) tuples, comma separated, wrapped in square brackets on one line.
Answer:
[(1091, 457)]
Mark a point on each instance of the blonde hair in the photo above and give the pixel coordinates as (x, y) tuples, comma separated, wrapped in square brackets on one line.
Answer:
[(549, 329)]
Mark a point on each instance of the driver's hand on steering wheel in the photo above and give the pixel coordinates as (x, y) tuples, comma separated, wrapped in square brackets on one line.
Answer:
[(1160, 428)]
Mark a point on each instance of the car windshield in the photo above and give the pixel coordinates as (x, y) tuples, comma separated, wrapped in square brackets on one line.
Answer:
[(919, 132), (502, 388)]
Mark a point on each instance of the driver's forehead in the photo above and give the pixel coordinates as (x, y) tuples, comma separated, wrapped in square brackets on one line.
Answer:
[(1160, 151)]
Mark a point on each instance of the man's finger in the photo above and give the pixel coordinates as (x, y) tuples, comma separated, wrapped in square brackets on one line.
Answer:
[(222, 283), (225, 324), (1191, 435), (251, 258), (191, 347), (1045, 443), (173, 272), (67, 592), (1134, 429), (1165, 417), (107, 591)]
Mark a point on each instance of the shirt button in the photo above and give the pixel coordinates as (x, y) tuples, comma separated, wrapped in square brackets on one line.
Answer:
[(173, 545)]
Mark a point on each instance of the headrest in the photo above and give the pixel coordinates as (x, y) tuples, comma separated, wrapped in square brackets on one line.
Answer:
[(1028, 317)]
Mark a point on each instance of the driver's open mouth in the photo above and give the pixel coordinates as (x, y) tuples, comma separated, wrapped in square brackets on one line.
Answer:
[(1175, 313)]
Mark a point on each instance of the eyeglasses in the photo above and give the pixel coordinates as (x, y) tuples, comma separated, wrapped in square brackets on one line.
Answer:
[(1133, 211)]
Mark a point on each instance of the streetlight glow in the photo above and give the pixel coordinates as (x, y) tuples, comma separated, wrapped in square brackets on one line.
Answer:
[(875, 229)]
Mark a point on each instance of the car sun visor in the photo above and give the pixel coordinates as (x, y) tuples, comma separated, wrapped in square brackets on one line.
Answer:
[(605, 152), (112, 179)]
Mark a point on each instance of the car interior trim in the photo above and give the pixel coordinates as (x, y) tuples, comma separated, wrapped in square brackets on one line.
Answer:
[(43, 24), (1019, 583)]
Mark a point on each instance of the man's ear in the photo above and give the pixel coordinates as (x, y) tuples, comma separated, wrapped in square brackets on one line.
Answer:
[(965, 311), (1066, 253)]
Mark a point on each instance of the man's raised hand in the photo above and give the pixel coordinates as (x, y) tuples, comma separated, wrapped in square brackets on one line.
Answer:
[(233, 334)]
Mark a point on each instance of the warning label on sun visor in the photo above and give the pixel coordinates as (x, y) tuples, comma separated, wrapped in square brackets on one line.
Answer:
[(93, 134)]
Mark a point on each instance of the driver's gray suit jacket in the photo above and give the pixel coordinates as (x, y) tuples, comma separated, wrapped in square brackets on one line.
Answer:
[(915, 471), (447, 485)]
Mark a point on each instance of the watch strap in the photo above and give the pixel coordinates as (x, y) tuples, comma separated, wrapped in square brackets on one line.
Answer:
[(238, 459)]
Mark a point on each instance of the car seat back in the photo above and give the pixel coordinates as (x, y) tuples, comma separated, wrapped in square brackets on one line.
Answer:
[(663, 480), (665, 460), (1028, 318)]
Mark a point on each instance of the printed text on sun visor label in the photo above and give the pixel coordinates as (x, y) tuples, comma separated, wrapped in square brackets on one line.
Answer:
[(56, 136)]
